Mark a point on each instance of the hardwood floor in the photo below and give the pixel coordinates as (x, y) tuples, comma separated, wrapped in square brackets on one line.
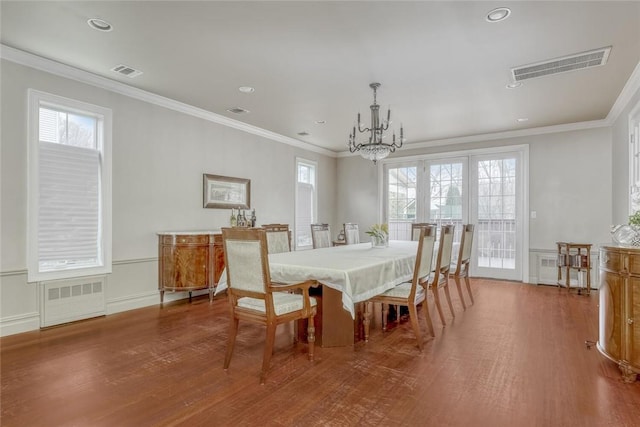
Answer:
[(517, 357)]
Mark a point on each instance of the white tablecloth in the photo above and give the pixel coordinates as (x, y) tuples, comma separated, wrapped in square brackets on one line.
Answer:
[(358, 271)]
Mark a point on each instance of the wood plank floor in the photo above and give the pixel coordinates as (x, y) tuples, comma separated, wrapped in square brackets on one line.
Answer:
[(517, 357)]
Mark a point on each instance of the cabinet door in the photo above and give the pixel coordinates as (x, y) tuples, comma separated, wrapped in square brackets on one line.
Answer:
[(633, 323), (185, 267), (611, 313)]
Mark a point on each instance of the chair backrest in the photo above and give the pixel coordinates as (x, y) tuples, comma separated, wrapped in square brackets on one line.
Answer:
[(424, 258), (443, 260), (320, 235), (466, 240), (415, 229), (278, 238), (351, 233), (246, 260)]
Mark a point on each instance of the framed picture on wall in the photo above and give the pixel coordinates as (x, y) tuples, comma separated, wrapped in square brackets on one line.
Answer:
[(225, 192)]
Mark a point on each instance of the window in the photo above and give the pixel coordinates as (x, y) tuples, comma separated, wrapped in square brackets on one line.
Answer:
[(69, 233), (306, 206)]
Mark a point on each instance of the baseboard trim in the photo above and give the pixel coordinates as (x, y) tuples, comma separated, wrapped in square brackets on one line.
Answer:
[(12, 325)]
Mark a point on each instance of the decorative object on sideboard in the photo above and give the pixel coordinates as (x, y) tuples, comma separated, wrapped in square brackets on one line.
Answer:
[(224, 192), (374, 149), (627, 235), (243, 219), (379, 235)]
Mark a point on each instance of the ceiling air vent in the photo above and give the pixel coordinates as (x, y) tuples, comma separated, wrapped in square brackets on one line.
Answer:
[(237, 110), (125, 70), (577, 61)]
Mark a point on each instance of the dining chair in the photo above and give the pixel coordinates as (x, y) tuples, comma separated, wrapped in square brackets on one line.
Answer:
[(461, 267), (440, 275), (351, 233), (415, 229), (278, 238), (254, 298), (413, 293), (320, 235)]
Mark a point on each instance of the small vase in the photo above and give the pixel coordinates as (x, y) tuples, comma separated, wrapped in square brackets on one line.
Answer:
[(626, 235), (379, 241)]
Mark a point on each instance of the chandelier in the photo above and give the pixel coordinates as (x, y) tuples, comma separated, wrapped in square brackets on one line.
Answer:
[(375, 149)]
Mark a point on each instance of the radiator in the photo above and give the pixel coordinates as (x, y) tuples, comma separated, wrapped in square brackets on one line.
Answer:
[(547, 269), (68, 300)]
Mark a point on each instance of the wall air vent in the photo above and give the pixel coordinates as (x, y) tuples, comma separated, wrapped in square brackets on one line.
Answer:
[(127, 71), (237, 110), (577, 61)]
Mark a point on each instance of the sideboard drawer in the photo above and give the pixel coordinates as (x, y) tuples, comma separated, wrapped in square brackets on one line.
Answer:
[(611, 261), (189, 239)]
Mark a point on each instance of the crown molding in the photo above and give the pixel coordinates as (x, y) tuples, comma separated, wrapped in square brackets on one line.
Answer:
[(629, 89), (500, 135), (63, 70)]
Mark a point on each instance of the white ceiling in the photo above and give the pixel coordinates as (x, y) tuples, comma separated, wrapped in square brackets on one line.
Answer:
[(442, 66)]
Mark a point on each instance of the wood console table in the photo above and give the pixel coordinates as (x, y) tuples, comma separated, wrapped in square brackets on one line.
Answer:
[(619, 330), (189, 261)]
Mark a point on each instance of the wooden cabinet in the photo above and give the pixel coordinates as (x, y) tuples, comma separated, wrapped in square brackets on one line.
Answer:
[(189, 261), (619, 331), (574, 257)]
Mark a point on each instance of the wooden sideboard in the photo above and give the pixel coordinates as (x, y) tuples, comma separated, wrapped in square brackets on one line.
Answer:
[(189, 261), (619, 331)]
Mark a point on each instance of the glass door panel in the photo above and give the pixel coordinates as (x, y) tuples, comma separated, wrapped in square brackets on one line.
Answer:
[(401, 200), (447, 204), (496, 213)]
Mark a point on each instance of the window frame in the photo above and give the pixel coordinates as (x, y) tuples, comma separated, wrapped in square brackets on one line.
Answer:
[(314, 211), (36, 100)]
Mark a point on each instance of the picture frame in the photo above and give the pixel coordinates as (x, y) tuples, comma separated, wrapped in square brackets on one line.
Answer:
[(225, 192)]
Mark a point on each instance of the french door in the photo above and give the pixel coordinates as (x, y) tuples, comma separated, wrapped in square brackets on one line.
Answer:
[(485, 189)]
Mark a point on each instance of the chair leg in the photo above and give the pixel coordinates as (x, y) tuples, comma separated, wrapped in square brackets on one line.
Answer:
[(231, 341), (447, 294), (413, 317), (385, 314), (427, 316), (456, 278), (436, 300), (311, 335), (268, 350), (466, 281)]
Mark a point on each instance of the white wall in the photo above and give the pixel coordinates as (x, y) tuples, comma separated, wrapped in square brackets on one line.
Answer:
[(159, 156)]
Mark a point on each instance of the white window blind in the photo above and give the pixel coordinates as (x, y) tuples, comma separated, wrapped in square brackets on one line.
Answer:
[(69, 214), (69, 201)]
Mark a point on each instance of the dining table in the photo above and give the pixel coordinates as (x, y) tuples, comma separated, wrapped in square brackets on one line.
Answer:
[(349, 274)]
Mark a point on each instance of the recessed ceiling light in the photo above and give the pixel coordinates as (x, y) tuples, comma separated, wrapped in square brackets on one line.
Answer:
[(514, 85), (246, 89), (238, 110), (321, 122), (99, 24), (522, 119), (498, 14)]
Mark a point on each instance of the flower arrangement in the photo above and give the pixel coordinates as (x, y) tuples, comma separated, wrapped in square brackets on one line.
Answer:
[(379, 235), (635, 218), (380, 231)]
